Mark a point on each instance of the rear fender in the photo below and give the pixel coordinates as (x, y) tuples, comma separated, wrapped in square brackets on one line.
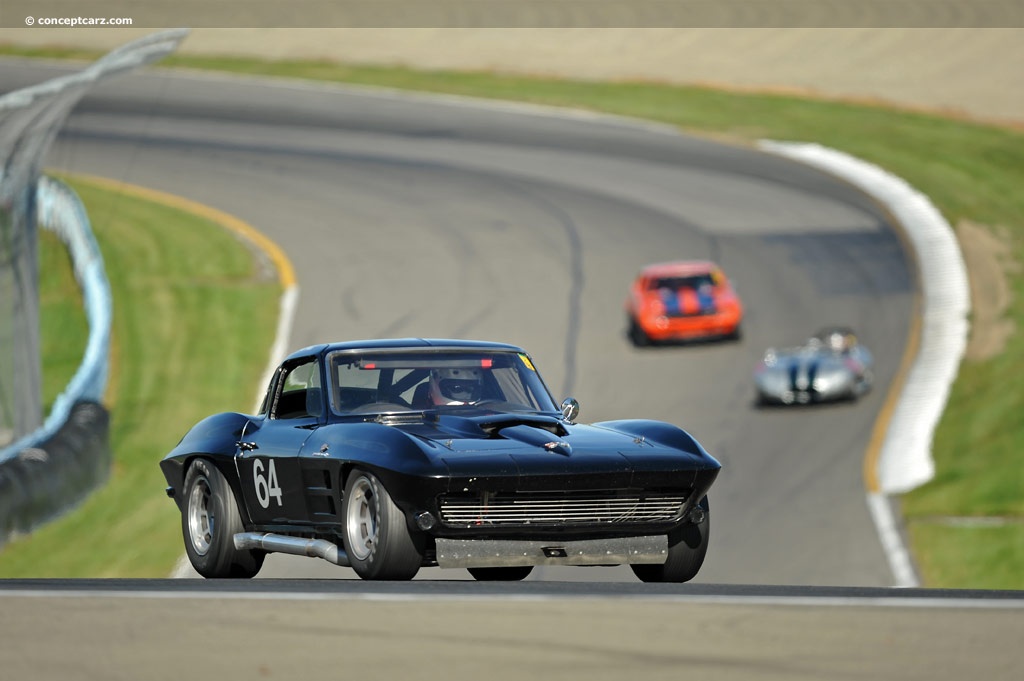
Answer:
[(229, 471), (215, 439)]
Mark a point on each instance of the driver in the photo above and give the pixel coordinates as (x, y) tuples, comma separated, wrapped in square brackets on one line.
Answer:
[(455, 386), (838, 342)]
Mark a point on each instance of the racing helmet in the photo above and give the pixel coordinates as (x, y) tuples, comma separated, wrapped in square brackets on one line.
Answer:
[(455, 386), (838, 341)]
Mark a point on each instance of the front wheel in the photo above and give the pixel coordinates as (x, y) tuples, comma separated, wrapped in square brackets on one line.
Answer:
[(377, 539), (864, 383), (209, 523), (636, 334), (687, 547), (514, 573)]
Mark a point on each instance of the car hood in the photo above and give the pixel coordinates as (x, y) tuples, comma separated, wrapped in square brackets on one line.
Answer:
[(806, 361), (518, 432), (538, 445)]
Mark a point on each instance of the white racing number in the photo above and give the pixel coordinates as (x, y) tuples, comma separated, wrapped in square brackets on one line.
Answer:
[(266, 487)]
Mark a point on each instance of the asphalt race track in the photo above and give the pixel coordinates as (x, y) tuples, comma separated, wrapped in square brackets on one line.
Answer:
[(415, 216), (411, 216), (171, 629)]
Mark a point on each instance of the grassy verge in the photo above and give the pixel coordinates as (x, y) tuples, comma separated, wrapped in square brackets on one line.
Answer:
[(63, 327), (182, 287), (971, 172)]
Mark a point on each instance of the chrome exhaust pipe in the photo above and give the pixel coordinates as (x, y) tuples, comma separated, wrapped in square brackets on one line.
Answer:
[(279, 543)]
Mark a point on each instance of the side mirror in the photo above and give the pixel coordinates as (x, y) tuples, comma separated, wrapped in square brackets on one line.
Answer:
[(570, 409)]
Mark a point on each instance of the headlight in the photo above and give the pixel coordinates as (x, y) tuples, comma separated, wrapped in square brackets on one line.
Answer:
[(424, 520)]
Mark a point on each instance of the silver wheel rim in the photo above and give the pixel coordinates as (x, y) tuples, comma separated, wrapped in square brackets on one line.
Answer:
[(361, 519), (201, 519)]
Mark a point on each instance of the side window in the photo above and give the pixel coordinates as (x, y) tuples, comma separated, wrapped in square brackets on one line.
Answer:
[(299, 391)]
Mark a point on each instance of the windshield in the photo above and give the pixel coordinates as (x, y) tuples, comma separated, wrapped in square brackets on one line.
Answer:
[(404, 380), (695, 281)]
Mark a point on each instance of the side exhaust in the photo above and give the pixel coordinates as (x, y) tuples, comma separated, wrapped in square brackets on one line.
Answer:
[(279, 543)]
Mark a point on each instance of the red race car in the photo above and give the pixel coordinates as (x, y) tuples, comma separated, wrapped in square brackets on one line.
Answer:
[(679, 301)]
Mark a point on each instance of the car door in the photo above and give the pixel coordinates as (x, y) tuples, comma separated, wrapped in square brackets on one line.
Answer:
[(268, 450)]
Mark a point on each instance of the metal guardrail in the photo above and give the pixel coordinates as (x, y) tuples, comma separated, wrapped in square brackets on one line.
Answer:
[(60, 211), (48, 467)]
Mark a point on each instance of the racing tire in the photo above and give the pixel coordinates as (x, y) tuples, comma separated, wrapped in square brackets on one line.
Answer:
[(513, 573), (687, 547), (377, 539), (637, 335), (209, 521), (863, 386)]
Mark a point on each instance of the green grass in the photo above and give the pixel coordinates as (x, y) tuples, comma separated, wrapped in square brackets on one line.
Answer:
[(970, 171), (63, 328), (969, 556), (182, 287)]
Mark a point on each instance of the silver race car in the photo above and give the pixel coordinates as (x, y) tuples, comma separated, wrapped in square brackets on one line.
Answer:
[(831, 366)]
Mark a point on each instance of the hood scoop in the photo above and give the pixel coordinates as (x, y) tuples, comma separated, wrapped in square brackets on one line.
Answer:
[(404, 418), (536, 430), (500, 425), (537, 437)]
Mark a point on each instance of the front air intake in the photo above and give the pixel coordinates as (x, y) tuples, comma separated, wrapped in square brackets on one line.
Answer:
[(559, 508)]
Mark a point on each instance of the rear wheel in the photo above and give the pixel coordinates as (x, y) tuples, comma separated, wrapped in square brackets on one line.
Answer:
[(501, 574), (687, 547), (377, 539), (209, 523)]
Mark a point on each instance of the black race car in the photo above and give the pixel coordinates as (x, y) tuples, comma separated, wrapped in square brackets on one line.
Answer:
[(389, 455)]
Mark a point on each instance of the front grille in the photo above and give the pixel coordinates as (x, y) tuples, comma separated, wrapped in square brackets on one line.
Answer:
[(560, 508)]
